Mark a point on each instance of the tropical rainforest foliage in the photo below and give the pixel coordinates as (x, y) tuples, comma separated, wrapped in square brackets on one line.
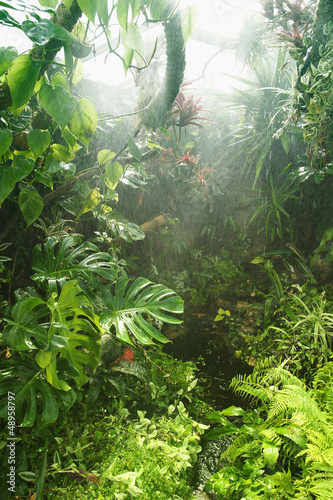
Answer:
[(115, 217)]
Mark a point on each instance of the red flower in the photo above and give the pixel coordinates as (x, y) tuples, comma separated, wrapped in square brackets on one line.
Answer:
[(127, 355)]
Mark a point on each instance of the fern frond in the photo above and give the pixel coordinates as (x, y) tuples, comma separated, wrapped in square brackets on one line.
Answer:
[(247, 387), (291, 399), (280, 376), (232, 452)]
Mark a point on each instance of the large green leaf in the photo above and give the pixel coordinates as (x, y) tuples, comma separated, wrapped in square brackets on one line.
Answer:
[(103, 11), (88, 8), (122, 13), (10, 175), (23, 331), (55, 265), (157, 7), (57, 102), (91, 201), (31, 205), (128, 311), (84, 121), (39, 32), (189, 19), (38, 141), (32, 393), (113, 173), (7, 55), (6, 138), (73, 317), (22, 77)]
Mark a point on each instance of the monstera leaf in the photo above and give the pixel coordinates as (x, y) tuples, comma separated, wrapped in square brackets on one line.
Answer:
[(73, 318), (23, 331), (65, 335), (128, 311), (31, 393), (56, 263)]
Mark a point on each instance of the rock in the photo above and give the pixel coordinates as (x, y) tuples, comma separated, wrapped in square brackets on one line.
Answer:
[(200, 495)]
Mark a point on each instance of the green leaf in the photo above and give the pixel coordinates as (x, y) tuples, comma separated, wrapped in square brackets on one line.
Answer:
[(258, 260), (133, 148), (38, 141), (233, 411), (261, 160), (122, 13), (91, 201), (84, 121), (61, 153), (49, 3), (57, 102), (126, 311), (23, 332), (132, 39), (189, 20), (39, 32), (28, 476), (42, 472), (62, 34), (67, 3), (105, 155), (80, 325), (31, 205), (72, 260), (89, 8), (78, 72), (6, 138), (7, 19), (24, 381), (135, 7), (157, 7), (22, 77), (102, 9), (127, 59), (61, 80), (285, 141), (9, 176), (113, 173), (7, 55)]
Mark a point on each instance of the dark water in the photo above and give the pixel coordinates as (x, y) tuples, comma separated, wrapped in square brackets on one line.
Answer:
[(220, 365)]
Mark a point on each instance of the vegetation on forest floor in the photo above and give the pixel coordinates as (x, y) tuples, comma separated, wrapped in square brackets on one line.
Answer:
[(94, 408)]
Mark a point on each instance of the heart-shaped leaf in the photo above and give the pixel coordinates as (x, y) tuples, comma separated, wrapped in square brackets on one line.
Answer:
[(22, 78), (105, 155), (9, 176), (44, 177), (39, 32), (61, 80), (113, 173), (7, 55), (31, 205), (38, 141), (61, 153), (122, 13), (91, 201), (88, 8), (6, 138), (57, 102), (84, 121)]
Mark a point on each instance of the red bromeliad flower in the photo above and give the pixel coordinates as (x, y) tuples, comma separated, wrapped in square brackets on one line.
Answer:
[(188, 159), (127, 355), (186, 111)]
